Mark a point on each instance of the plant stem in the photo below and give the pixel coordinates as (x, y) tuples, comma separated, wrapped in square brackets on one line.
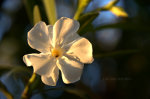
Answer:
[(4, 90), (26, 93)]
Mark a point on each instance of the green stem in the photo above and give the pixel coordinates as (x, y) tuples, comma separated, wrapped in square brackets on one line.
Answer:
[(4, 90), (26, 93)]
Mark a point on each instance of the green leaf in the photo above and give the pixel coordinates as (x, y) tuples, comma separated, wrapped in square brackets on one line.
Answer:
[(50, 10), (76, 92), (86, 22), (110, 4), (116, 53), (4, 69), (36, 14), (29, 8), (118, 11), (16, 69), (4, 90), (127, 25), (82, 4), (106, 7)]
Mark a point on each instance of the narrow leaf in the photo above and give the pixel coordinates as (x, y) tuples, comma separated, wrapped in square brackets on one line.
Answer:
[(111, 4), (86, 22), (126, 26), (50, 10), (107, 7), (36, 14), (82, 4), (4, 90), (118, 11), (76, 92), (116, 53), (16, 69), (29, 8)]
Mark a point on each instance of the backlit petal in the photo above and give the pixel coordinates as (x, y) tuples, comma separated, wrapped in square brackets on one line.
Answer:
[(42, 63), (69, 40), (82, 50), (38, 37), (50, 30), (64, 27), (70, 68), (52, 78)]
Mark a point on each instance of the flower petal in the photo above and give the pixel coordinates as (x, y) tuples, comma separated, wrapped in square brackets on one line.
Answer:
[(82, 50), (50, 30), (38, 37), (42, 64), (52, 79), (69, 40), (64, 27), (70, 68)]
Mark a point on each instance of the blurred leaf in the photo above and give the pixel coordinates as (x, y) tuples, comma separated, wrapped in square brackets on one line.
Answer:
[(50, 10), (110, 4), (86, 22), (82, 4), (87, 19), (76, 92), (29, 8), (21, 69), (107, 7), (127, 25), (118, 11), (16, 69), (36, 14), (4, 90), (116, 53), (4, 69)]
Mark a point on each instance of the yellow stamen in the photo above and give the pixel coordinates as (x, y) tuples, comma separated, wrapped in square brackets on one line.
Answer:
[(57, 52)]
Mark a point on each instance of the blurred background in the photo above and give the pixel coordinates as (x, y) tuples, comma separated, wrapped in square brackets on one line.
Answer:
[(121, 69)]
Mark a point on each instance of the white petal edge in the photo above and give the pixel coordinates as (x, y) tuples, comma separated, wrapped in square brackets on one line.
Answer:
[(42, 64), (52, 79), (82, 50), (71, 69), (38, 37), (63, 27)]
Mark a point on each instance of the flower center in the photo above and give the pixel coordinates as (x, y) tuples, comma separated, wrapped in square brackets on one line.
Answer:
[(57, 52)]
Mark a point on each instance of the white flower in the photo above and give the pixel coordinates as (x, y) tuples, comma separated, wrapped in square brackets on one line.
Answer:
[(61, 49)]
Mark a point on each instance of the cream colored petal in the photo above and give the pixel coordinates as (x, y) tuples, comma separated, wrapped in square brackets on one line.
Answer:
[(50, 30), (51, 80), (64, 27), (70, 68), (82, 50), (69, 40), (42, 64), (38, 37)]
